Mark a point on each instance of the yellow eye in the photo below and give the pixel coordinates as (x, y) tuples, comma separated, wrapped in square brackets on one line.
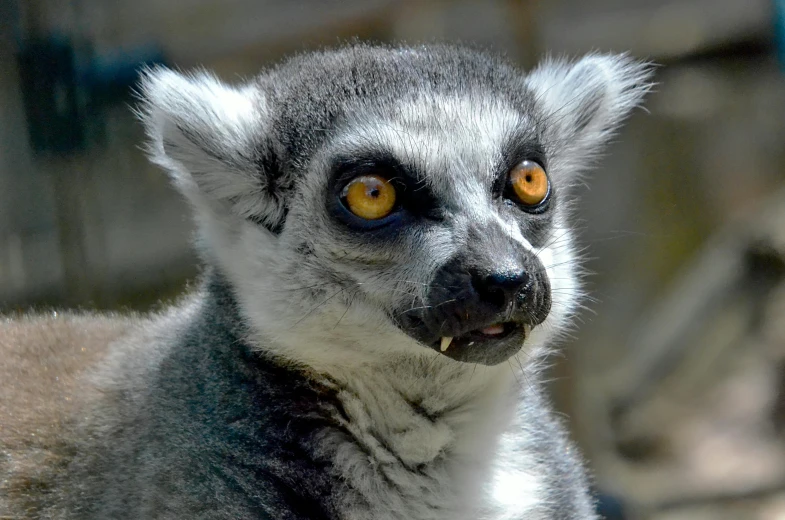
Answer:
[(530, 183), (370, 197)]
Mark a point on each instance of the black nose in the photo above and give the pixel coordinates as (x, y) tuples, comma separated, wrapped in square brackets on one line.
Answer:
[(499, 288)]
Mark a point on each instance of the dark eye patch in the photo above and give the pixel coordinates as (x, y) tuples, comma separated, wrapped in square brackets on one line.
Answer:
[(414, 197)]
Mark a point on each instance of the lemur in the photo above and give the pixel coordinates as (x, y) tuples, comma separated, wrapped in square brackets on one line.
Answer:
[(389, 257)]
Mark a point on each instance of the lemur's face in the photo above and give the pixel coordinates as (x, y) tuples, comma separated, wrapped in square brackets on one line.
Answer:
[(442, 212), (372, 201)]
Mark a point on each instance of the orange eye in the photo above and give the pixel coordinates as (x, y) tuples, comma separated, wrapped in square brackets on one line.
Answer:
[(530, 183), (370, 197)]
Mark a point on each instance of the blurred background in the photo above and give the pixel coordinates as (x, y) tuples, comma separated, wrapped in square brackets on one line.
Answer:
[(674, 384)]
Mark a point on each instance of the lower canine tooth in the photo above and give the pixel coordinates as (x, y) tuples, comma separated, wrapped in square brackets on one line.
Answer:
[(446, 340), (527, 329)]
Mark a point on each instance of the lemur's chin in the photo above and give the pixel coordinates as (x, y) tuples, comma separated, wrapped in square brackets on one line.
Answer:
[(487, 346)]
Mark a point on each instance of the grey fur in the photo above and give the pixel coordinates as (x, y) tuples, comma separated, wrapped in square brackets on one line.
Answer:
[(302, 380)]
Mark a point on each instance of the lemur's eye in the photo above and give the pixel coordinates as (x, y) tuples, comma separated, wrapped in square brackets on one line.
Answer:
[(530, 183), (370, 197)]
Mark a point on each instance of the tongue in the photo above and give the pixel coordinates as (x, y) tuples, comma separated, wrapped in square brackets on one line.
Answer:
[(493, 330)]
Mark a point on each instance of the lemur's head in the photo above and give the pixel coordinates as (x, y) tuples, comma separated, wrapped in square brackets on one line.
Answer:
[(371, 201)]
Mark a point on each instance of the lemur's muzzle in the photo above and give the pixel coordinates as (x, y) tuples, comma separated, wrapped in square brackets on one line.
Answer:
[(482, 304)]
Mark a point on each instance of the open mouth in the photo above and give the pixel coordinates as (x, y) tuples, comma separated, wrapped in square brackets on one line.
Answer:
[(481, 338), (488, 344)]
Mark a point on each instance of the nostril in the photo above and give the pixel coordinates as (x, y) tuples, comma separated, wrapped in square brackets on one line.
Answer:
[(499, 288), (508, 280)]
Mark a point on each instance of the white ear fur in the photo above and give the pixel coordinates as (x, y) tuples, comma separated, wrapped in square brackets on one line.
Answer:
[(585, 102), (210, 137)]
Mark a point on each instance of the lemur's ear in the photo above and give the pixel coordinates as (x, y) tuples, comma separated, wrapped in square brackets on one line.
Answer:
[(211, 138), (584, 102)]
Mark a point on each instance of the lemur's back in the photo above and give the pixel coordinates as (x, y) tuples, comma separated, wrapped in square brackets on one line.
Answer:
[(44, 366)]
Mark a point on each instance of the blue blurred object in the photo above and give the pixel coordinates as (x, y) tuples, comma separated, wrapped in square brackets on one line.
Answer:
[(609, 507), (779, 30), (112, 74), (50, 89), (65, 85)]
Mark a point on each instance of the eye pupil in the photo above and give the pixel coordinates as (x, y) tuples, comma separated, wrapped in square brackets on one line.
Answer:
[(528, 177)]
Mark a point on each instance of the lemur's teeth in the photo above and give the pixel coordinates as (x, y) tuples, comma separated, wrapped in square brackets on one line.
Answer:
[(527, 329), (446, 340)]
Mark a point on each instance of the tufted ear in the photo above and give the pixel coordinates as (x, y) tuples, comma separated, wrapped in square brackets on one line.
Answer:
[(584, 102), (211, 138)]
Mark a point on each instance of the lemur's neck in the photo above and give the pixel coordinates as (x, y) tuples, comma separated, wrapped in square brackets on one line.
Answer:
[(418, 408), (434, 385)]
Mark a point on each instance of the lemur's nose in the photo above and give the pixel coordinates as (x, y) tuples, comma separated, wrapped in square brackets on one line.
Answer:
[(499, 288)]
